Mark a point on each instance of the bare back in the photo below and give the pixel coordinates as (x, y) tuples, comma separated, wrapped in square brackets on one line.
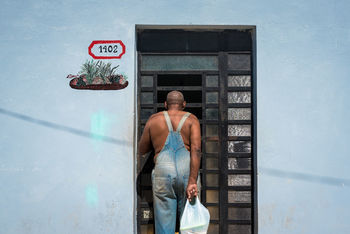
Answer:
[(159, 129)]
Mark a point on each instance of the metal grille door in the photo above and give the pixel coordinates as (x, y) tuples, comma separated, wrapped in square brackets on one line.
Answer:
[(219, 87)]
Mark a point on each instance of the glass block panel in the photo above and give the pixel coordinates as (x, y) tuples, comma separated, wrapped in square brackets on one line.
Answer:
[(178, 62), (238, 180), (241, 229), (212, 163), (239, 114), (239, 130), (213, 228), (146, 81), (239, 163), (146, 113), (239, 97), (239, 146), (239, 62), (146, 98), (239, 81), (239, 196), (147, 229), (214, 212), (212, 80), (211, 130), (146, 214), (211, 113), (212, 180), (212, 147), (212, 196), (212, 97), (236, 213)]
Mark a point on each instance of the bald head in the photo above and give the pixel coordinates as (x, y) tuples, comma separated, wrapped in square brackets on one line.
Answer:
[(175, 98)]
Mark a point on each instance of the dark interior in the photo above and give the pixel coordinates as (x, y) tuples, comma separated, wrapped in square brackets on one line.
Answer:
[(190, 96), (179, 80)]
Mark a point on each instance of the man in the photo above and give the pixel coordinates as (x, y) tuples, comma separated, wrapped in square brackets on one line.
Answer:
[(177, 160)]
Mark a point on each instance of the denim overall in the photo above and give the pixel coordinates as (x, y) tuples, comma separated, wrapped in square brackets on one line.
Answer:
[(169, 179)]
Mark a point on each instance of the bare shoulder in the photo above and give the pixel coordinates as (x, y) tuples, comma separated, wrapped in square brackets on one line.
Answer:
[(193, 118), (155, 117)]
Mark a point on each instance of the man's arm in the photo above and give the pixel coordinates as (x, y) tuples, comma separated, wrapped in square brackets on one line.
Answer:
[(195, 141), (145, 144)]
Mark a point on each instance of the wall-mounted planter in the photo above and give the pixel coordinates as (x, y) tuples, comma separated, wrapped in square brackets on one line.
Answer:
[(98, 76), (81, 83)]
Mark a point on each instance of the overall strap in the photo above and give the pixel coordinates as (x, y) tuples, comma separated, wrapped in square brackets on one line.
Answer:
[(182, 121), (168, 122)]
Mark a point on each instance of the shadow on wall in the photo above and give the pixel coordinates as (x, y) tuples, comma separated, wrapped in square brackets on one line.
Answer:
[(148, 163), (61, 127), (306, 177)]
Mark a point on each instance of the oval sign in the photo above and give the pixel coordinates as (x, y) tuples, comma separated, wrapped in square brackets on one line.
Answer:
[(107, 49)]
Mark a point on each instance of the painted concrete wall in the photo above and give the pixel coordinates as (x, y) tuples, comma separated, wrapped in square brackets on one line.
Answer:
[(66, 162)]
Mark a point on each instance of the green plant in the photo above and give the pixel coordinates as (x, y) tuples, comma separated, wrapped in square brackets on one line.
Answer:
[(93, 69), (90, 70), (106, 71)]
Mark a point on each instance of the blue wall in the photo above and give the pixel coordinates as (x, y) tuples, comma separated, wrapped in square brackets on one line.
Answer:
[(67, 161)]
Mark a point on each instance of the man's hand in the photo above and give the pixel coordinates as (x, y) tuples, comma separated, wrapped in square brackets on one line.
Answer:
[(191, 191)]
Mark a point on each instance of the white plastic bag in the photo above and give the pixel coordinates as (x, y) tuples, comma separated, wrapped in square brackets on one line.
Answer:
[(195, 218)]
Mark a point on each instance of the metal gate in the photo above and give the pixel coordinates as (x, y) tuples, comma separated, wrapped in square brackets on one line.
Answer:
[(215, 70)]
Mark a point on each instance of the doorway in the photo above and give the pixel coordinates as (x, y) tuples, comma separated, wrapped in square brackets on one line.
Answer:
[(214, 67)]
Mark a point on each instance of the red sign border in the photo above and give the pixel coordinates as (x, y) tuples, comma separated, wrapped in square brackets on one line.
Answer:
[(106, 42)]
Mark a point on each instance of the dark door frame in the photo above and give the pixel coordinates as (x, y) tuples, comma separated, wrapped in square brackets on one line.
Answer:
[(222, 97)]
